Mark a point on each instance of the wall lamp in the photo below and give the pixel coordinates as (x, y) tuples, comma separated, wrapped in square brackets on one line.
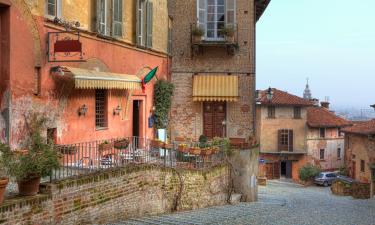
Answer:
[(82, 110), (117, 110), (58, 70)]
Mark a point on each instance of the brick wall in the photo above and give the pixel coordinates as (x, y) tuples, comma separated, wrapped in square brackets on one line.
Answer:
[(118, 194)]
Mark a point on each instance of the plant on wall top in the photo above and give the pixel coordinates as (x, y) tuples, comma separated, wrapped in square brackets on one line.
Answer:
[(41, 157), (163, 91)]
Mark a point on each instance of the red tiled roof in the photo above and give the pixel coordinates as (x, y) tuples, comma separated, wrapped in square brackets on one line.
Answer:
[(322, 117), (283, 98), (363, 128)]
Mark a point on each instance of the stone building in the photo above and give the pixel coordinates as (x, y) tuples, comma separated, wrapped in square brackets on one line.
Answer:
[(90, 82), (325, 141), (214, 76), (360, 152), (282, 133)]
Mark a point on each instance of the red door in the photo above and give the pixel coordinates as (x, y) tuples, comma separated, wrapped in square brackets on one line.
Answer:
[(214, 114)]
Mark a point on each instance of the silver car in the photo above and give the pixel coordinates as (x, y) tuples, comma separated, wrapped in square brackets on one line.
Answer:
[(325, 178)]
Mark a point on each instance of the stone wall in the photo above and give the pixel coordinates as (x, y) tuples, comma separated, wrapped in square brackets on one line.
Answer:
[(187, 116), (119, 194)]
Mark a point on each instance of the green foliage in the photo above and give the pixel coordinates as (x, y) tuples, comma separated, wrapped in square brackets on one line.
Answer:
[(203, 141), (41, 157), (227, 31), (308, 172), (223, 143), (196, 31), (163, 91), (343, 171)]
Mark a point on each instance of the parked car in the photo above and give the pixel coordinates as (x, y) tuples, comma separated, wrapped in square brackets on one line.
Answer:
[(325, 178)]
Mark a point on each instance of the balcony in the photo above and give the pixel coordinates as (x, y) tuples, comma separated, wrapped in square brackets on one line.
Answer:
[(226, 39)]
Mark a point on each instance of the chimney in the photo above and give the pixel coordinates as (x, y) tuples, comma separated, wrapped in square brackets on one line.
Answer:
[(325, 105), (315, 101)]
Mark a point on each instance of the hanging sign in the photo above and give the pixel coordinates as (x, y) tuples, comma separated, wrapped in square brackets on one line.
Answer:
[(64, 47)]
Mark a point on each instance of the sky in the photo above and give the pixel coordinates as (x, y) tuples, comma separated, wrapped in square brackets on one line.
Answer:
[(332, 42)]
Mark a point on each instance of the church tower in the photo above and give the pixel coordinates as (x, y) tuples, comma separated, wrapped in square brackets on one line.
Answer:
[(307, 93)]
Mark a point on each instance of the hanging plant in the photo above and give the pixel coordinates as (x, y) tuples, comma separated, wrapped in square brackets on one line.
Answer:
[(163, 91)]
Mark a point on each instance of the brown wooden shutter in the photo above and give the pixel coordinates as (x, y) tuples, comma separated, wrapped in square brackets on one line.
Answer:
[(279, 144), (290, 147)]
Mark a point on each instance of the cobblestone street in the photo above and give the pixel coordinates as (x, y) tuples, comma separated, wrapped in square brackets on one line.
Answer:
[(279, 203)]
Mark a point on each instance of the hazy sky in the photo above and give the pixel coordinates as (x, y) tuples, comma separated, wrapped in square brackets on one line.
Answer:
[(330, 41)]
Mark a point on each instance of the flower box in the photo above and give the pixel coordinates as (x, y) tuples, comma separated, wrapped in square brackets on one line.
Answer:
[(183, 149), (105, 146), (157, 144), (121, 144), (206, 152)]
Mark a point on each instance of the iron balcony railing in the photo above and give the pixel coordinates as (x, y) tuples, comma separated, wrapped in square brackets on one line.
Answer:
[(89, 157)]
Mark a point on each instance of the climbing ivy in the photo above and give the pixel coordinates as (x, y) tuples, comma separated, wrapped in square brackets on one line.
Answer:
[(163, 91)]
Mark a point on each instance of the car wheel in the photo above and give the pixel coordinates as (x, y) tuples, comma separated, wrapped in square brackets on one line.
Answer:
[(325, 184)]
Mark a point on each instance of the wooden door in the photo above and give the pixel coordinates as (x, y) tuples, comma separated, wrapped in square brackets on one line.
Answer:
[(273, 171), (288, 169), (214, 113), (353, 169)]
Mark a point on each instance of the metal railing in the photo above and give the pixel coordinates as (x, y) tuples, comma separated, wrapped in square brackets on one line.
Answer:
[(89, 157)]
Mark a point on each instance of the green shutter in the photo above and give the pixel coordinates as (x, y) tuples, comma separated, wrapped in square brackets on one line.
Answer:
[(149, 24), (139, 10), (117, 18)]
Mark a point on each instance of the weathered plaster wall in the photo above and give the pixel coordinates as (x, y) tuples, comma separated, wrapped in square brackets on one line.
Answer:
[(115, 56), (85, 13), (268, 130), (330, 144), (359, 147), (119, 194)]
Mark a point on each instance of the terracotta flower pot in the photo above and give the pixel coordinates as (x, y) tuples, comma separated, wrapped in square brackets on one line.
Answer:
[(183, 149), (3, 185), (168, 146), (157, 144), (121, 144), (197, 39), (206, 152), (29, 187), (105, 147), (195, 151)]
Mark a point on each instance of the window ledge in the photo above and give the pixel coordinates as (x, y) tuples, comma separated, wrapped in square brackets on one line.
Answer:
[(101, 128)]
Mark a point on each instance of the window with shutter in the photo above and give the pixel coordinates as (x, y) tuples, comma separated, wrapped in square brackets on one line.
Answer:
[(149, 24), (285, 140), (53, 8), (290, 141), (170, 36), (231, 11), (201, 14), (117, 18)]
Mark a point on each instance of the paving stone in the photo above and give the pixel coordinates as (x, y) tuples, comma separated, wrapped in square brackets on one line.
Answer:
[(282, 204)]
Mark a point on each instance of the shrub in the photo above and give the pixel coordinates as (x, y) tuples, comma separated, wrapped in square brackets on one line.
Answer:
[(41, 157), (163, 91), (308, 172), (224, 143), (196, 31), (343, 171)]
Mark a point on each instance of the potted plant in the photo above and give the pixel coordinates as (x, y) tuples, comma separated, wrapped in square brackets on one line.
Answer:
[(183, 148), (228, 33), (106, 145), (39, 161), (206, 151), (121, 144), (4, 180), (197, 34), (195, 150), (157, 143)]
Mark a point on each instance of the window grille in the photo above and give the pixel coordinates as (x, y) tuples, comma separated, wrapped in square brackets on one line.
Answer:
[(101, 108)]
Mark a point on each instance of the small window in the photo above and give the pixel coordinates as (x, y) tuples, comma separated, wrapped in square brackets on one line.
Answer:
[(297, 112), (285, 140), (363, 166), (271, 112), (53, 8), (322, 152), (339, 153), (101, 108), (322, 132)]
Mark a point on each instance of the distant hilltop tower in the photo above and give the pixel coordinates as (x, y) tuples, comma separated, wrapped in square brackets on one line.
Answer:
[(307, 93)]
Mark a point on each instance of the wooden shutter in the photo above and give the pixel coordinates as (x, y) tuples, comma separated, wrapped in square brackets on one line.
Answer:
[(139, 23), (58, 8), (201, 14), (290, 142), (149, 24), (117, 18), (279, 144), (101, 19), (230, 13)]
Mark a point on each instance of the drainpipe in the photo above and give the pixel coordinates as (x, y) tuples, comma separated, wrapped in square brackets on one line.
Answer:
[(254, 70)]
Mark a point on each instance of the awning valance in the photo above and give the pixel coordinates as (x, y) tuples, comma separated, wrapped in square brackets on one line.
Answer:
[(215, 88), (91, 79)]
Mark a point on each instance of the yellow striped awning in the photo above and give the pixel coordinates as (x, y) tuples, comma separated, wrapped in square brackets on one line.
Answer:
[(215, 88), (91, 79)]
